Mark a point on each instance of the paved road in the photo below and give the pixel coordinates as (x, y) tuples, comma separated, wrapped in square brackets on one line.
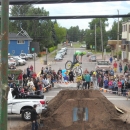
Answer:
[(119, 101)]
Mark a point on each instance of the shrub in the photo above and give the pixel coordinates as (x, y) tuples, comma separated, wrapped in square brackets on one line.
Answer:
[(39, 55), (52, 48)]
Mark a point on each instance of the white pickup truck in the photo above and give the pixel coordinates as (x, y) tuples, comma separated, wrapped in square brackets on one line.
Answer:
[(24, 105)]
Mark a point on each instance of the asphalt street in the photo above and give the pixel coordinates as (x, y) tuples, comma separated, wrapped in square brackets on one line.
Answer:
[(120, 101)]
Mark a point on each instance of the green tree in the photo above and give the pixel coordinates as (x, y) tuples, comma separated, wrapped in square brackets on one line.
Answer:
[(90, 33), (60, 32), (113, 32)]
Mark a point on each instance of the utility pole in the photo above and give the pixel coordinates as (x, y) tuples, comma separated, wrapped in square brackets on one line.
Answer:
[(118, 38), (95, 40), (4, 63), (101, 37)]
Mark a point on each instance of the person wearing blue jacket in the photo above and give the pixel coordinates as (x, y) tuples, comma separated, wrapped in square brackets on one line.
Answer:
[(87, 80), (106, 83)]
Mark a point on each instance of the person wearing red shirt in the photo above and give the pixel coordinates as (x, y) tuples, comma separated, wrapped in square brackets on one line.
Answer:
[(34, 75), (115, 67), (119, 87), (31, 68)]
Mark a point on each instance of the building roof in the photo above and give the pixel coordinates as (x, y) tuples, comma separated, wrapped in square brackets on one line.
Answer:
[(15, 36)]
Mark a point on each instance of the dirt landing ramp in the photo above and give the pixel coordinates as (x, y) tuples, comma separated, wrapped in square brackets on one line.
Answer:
[(94, 112)]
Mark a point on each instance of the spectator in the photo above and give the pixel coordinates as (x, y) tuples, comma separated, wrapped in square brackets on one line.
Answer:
[(125, 68), (34, 118), (31, 68), (119, 87), (71, 76), (120, 67), (111, 72), (66, 78), (111, 59), (100, 81), (110, 83), (115, 86), (94, 80), (106, 83), (115, 67), (34, 75), (42, 71), (28, 71), (87, 80)]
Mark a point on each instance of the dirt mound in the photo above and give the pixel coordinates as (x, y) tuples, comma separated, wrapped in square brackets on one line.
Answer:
[(100, 114)]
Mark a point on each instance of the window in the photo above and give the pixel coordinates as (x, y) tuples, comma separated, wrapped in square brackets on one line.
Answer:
[(126, 27), (122, 29), (20, 42), (129, 28)]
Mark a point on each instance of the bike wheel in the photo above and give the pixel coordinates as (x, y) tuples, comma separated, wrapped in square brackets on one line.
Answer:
[(77, 71), (68, 65)]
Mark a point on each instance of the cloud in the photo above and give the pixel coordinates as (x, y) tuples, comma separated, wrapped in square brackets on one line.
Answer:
[(96, 8)]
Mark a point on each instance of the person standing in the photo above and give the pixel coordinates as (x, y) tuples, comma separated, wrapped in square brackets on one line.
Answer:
[(115, 67), (71, 76), (125, 68), (88, 80), (111, 60), (34, 118), (120, 67)]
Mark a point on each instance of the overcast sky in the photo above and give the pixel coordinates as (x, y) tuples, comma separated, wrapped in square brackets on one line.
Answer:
[(98, 8)]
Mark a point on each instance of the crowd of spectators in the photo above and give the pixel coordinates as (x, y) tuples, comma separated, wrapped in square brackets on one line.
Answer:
[(30, 83)]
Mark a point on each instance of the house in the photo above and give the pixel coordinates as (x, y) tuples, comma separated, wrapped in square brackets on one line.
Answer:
[(126, 40), (19, 43)]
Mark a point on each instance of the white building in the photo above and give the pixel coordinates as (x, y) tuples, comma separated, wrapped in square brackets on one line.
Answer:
[(126, 40)]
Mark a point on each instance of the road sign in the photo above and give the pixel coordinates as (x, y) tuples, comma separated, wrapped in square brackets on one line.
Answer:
[(33, 49)]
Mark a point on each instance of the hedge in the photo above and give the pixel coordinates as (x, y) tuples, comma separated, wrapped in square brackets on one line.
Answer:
[(52, 49)]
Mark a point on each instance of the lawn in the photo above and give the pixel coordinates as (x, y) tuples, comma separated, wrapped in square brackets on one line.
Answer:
[(76, 44)]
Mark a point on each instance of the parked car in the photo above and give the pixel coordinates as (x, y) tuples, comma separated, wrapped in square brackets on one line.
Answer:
[(83, 46), (92, 58), (11, 64), (20, 61), (58, 57), (23, 56), (30, 56), (103, 65), (89, 54), (14, 60), (62, 52), (65, 50)]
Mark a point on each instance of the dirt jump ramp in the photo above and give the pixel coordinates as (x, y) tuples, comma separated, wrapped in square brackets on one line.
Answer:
[(82, 110)]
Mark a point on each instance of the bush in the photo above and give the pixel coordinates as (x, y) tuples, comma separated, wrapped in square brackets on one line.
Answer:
[(39, 55), (52, 49)]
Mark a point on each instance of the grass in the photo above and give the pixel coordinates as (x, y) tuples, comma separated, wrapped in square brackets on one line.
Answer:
[(76, 45)]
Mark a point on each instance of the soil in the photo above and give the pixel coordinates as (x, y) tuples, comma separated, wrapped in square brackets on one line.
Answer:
[(102, 114)]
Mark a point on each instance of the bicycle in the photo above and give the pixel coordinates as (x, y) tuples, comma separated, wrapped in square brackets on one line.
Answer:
[(76, 68)]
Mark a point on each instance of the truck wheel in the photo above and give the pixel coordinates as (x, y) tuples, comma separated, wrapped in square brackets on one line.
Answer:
[(26, 114)]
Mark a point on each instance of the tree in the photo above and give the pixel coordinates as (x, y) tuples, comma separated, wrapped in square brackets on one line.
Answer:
[(60, 32), (112, 33), (90, 33)]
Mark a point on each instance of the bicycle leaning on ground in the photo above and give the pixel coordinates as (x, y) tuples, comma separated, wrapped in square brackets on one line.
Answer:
[(76, 68)]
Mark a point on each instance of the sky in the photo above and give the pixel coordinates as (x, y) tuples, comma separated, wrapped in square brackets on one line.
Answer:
[(95, 8)]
